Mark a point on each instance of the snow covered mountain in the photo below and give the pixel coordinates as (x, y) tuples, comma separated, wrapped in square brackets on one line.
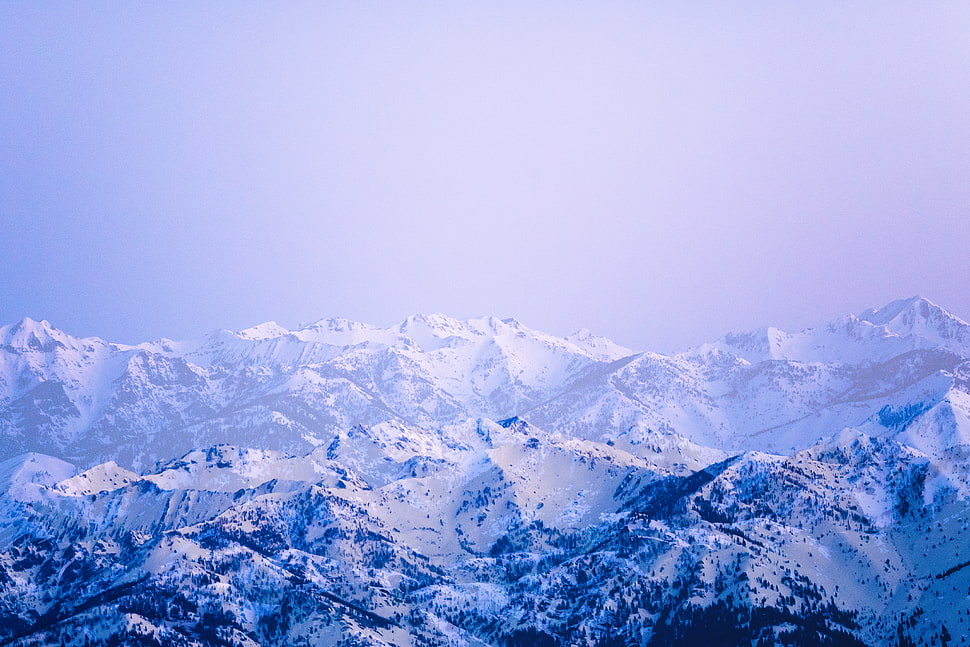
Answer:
[(446, 482), (87, 400), (90, 400)]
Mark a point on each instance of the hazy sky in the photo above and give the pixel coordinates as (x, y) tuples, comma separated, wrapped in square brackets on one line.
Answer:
[(658, 173)]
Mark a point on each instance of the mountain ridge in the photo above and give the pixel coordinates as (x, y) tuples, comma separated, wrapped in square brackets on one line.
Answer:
[(293, 389), (445, 482)]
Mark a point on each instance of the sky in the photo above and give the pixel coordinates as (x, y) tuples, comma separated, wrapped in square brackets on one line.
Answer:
[(659, 173)]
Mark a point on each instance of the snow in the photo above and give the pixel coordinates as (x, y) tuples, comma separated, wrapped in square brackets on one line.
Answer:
[(26, 477), (268, 330), (768, 390), (369, 462), (100, 478)]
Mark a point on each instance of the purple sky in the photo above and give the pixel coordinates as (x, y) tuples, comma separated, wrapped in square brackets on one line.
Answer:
[(658, 175)]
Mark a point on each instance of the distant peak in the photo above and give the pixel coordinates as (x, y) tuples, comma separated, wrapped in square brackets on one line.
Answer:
[(32, 335), (336, 324), (907, 312), (921, 319), (761, 338), (267, 330), (882, 316), (492, 325), (433, 320), (32, 325), (597, 347)]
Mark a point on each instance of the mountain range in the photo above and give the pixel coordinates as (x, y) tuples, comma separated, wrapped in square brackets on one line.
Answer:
[(449, 482)]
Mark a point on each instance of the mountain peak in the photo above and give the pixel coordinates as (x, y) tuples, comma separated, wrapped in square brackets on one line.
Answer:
[(31, 335), (335, 324), (756, 345), (21, 476), (434, 321), (921, 318), (266, 330), (339, 331), (913, 306), (28, 326), (600, 348)]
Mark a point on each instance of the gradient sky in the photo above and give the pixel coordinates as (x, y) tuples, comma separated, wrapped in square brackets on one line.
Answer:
[(660, 174)]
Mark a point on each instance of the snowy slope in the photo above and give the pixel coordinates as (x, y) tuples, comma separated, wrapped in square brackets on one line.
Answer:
[(492, 534), (448, 482), (90, 401)]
